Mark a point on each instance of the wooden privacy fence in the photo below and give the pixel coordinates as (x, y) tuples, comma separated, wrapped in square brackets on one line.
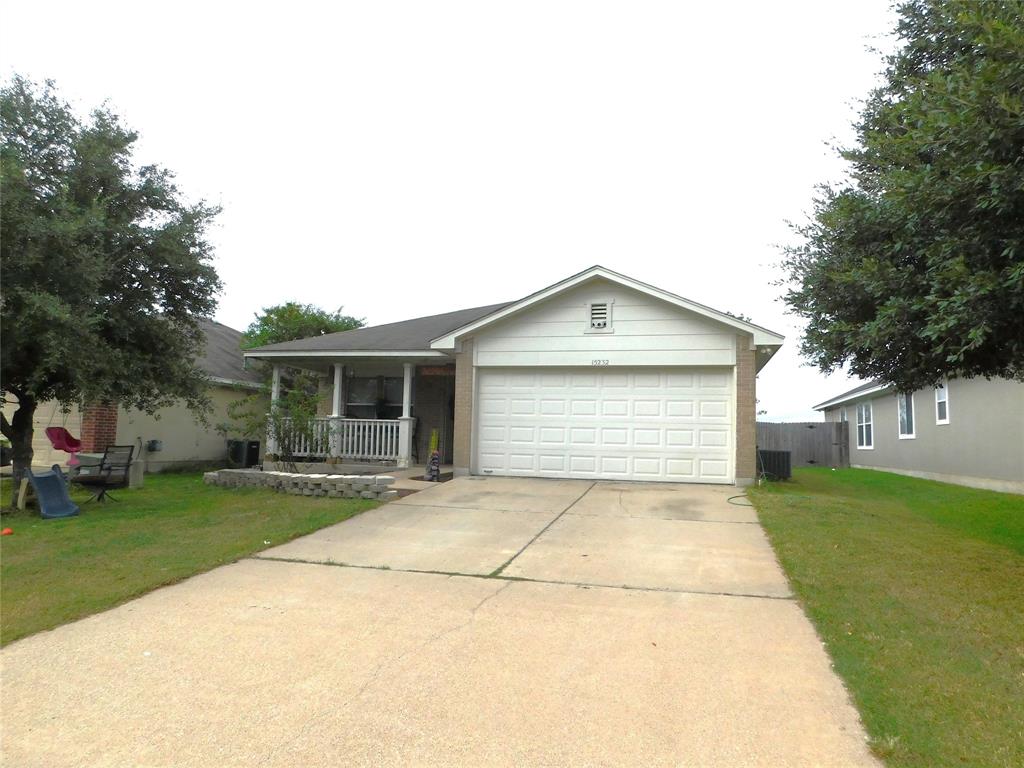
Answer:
[(810, 443)]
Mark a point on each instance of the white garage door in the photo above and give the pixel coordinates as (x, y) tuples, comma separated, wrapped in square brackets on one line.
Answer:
[(671, 424)]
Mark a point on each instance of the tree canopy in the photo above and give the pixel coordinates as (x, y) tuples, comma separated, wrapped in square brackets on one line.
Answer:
[(292, 417), (106, 269), (913, 270), (291, 320)]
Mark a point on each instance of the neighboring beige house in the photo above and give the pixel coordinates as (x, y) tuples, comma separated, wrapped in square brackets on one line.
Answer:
[(184, 441), (598, 376), (967, 431)]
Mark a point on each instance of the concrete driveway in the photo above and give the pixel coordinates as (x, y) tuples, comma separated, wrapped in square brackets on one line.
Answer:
[(487, 621)]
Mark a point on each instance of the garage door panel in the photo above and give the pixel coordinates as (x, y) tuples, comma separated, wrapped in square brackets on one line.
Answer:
[(650, 467), (647, 408), (522, 461), (647, 380), (583, 464), (670, 425), (617, 436), (552, 436), (647, 438), (614, 465), (679, 438), (614, 407), (714, 438), (525, 435), (582, 436), (493, 405), (680, 469), (713, 409), (679, 380), (680, 409), (715, 381), (584, 408), (492, 434), (714, 468), (550, 407)]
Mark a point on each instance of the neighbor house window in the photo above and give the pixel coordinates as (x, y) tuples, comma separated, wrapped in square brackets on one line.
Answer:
[(865, 438), (905, 410), (942, 404)]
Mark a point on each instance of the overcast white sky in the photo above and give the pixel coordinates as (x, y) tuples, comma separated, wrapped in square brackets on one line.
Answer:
[(405, 159)]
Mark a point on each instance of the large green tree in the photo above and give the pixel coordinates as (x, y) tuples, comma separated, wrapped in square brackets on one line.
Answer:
[(105, 268), (913, 270), (291, 320), (247, 416)]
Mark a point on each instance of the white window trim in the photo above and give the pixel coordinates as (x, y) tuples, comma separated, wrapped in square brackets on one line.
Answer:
[(869, 422), (943, 388), (913, 415), (610, 327)]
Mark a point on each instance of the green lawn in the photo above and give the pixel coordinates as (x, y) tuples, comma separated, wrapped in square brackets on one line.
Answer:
[(55, 571), (917, 589)]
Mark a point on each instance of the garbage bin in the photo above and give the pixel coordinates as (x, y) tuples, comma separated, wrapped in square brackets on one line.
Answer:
[(236, 454), (252, 453)]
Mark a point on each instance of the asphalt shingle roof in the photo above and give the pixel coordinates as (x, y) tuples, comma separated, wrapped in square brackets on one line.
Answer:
[(851, 393), (415, 334), (222, 356)]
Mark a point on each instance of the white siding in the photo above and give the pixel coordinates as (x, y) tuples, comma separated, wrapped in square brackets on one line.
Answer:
[(644, 331)]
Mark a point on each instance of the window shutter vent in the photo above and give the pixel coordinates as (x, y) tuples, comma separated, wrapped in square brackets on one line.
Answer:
[(599, 316)]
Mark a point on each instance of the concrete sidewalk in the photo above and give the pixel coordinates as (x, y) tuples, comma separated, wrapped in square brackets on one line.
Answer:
[(379, 661)]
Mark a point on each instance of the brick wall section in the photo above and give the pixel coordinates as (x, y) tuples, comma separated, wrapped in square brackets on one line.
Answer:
[(99, 427), (463, 442), (746, 412)]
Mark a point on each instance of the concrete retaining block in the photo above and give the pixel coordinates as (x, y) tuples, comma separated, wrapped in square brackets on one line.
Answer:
[(315, 485)]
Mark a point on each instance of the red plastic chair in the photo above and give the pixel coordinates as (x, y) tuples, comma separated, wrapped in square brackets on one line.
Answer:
[(61, 440)]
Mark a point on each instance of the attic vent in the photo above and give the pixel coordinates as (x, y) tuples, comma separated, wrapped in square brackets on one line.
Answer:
[(600, 316)]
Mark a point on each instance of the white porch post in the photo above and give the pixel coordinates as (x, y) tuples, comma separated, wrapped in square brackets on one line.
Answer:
[(337, 409), (275, 395), (339, 373), (405, 422)]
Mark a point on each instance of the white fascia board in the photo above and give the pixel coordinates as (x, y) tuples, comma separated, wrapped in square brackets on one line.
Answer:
[(345, 353), (847, 398), (762, 336)]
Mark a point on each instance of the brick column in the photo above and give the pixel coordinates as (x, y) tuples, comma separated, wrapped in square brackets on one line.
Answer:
[(746, 412), (463, 437), (99, 427)]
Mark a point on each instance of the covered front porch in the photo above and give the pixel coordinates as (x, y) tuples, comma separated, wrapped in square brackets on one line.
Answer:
[(372, 412)]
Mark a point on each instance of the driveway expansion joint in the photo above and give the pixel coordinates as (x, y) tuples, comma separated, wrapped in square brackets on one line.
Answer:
[(665, 519), (503, 566), (524, 579)]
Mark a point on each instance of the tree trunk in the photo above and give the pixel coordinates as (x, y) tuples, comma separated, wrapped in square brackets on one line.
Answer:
[(19, 432)]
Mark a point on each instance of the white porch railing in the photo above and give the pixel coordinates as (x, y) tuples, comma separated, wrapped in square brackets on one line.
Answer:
[(356, 439)]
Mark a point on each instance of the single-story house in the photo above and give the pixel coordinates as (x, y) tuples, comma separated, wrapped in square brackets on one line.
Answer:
[(183, 441), (965, 431), (597, 376)]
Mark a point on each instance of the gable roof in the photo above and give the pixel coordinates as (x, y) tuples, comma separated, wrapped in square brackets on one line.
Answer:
[(222, 357), (869, 387), (762, 336), (406, 335)]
